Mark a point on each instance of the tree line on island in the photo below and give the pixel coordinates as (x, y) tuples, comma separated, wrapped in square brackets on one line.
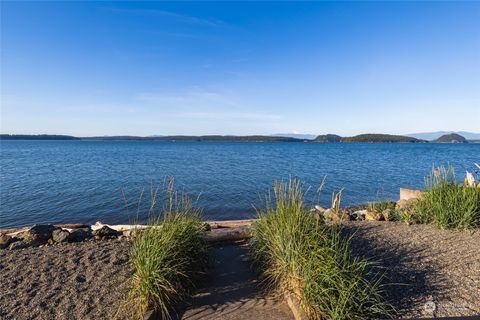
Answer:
[(370, 137)]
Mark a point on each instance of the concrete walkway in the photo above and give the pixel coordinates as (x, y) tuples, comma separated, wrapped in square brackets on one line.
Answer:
[(232, 291)]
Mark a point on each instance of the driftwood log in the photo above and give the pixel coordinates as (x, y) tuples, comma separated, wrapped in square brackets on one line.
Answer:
[(229, 234)]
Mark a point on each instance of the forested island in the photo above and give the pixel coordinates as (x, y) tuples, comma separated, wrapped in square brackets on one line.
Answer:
[(36, 137), (451, 138), (381, 138)]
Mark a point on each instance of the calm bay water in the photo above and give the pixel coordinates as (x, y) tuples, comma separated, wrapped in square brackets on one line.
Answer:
[(82, 181)]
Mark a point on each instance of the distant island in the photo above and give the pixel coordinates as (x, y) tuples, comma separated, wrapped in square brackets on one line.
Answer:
[(381, 138), (431, 136), (326, 138), (451, 138), (254, 138), (36, 137)]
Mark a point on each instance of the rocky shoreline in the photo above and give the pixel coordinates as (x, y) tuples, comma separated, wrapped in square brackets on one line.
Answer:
[(48, 234)]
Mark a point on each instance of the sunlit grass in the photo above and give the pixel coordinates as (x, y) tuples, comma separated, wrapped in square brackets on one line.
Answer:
[(167, 257), (446, 203), (301, 255), (380, 206)]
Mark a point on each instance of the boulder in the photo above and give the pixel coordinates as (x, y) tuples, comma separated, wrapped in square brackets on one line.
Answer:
[(38, 233), (359, 214), (407, 194), (336, 216), (5, 241), (106, 232), (388, 214), (81, 234), (60, 236), (373, 216)]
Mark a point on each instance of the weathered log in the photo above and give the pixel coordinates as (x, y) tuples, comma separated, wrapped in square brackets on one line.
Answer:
[(14, 231), (119, 227), (72, 225), (229, 223), (229, 234)]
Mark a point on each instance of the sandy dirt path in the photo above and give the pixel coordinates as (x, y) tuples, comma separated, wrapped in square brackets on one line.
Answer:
[(232, 291)]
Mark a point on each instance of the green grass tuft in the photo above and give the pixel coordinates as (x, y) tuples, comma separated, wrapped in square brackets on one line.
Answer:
[(167, 257), (448, 204), (380, 206), (301, 255)]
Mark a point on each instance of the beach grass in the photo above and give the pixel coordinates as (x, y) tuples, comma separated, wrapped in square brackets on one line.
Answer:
[(302, 256), (168, 257), (447, 203), (380, 206)]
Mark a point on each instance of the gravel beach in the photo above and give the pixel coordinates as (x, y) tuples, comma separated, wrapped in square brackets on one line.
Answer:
[(84, 280), (89, 280), (423, 265)]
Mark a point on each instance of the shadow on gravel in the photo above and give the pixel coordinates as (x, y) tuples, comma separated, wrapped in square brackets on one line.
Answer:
[(405, 278)]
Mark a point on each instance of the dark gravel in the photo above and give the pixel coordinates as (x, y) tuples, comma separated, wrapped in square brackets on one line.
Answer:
[(423, 264), (84, 280)]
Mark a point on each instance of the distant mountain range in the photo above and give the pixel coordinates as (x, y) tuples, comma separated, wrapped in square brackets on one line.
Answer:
[(429, 136)]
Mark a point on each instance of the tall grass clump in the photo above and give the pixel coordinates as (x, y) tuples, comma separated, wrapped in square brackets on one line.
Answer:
[(447, 203), (167, 257), (302, 256)]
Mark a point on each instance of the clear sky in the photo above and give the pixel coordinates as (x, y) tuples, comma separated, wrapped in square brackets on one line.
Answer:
[(100, 68)]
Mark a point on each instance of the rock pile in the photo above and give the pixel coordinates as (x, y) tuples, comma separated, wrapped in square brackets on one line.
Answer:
[(379, 211), (48, 234), (347, 214)]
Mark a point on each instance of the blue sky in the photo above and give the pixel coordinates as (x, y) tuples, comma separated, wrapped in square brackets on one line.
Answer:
[(100, 68)]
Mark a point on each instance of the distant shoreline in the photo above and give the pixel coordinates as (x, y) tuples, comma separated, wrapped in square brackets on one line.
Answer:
[(367, 138)]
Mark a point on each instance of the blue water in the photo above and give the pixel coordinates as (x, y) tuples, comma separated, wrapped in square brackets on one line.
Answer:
[(82, 181)]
